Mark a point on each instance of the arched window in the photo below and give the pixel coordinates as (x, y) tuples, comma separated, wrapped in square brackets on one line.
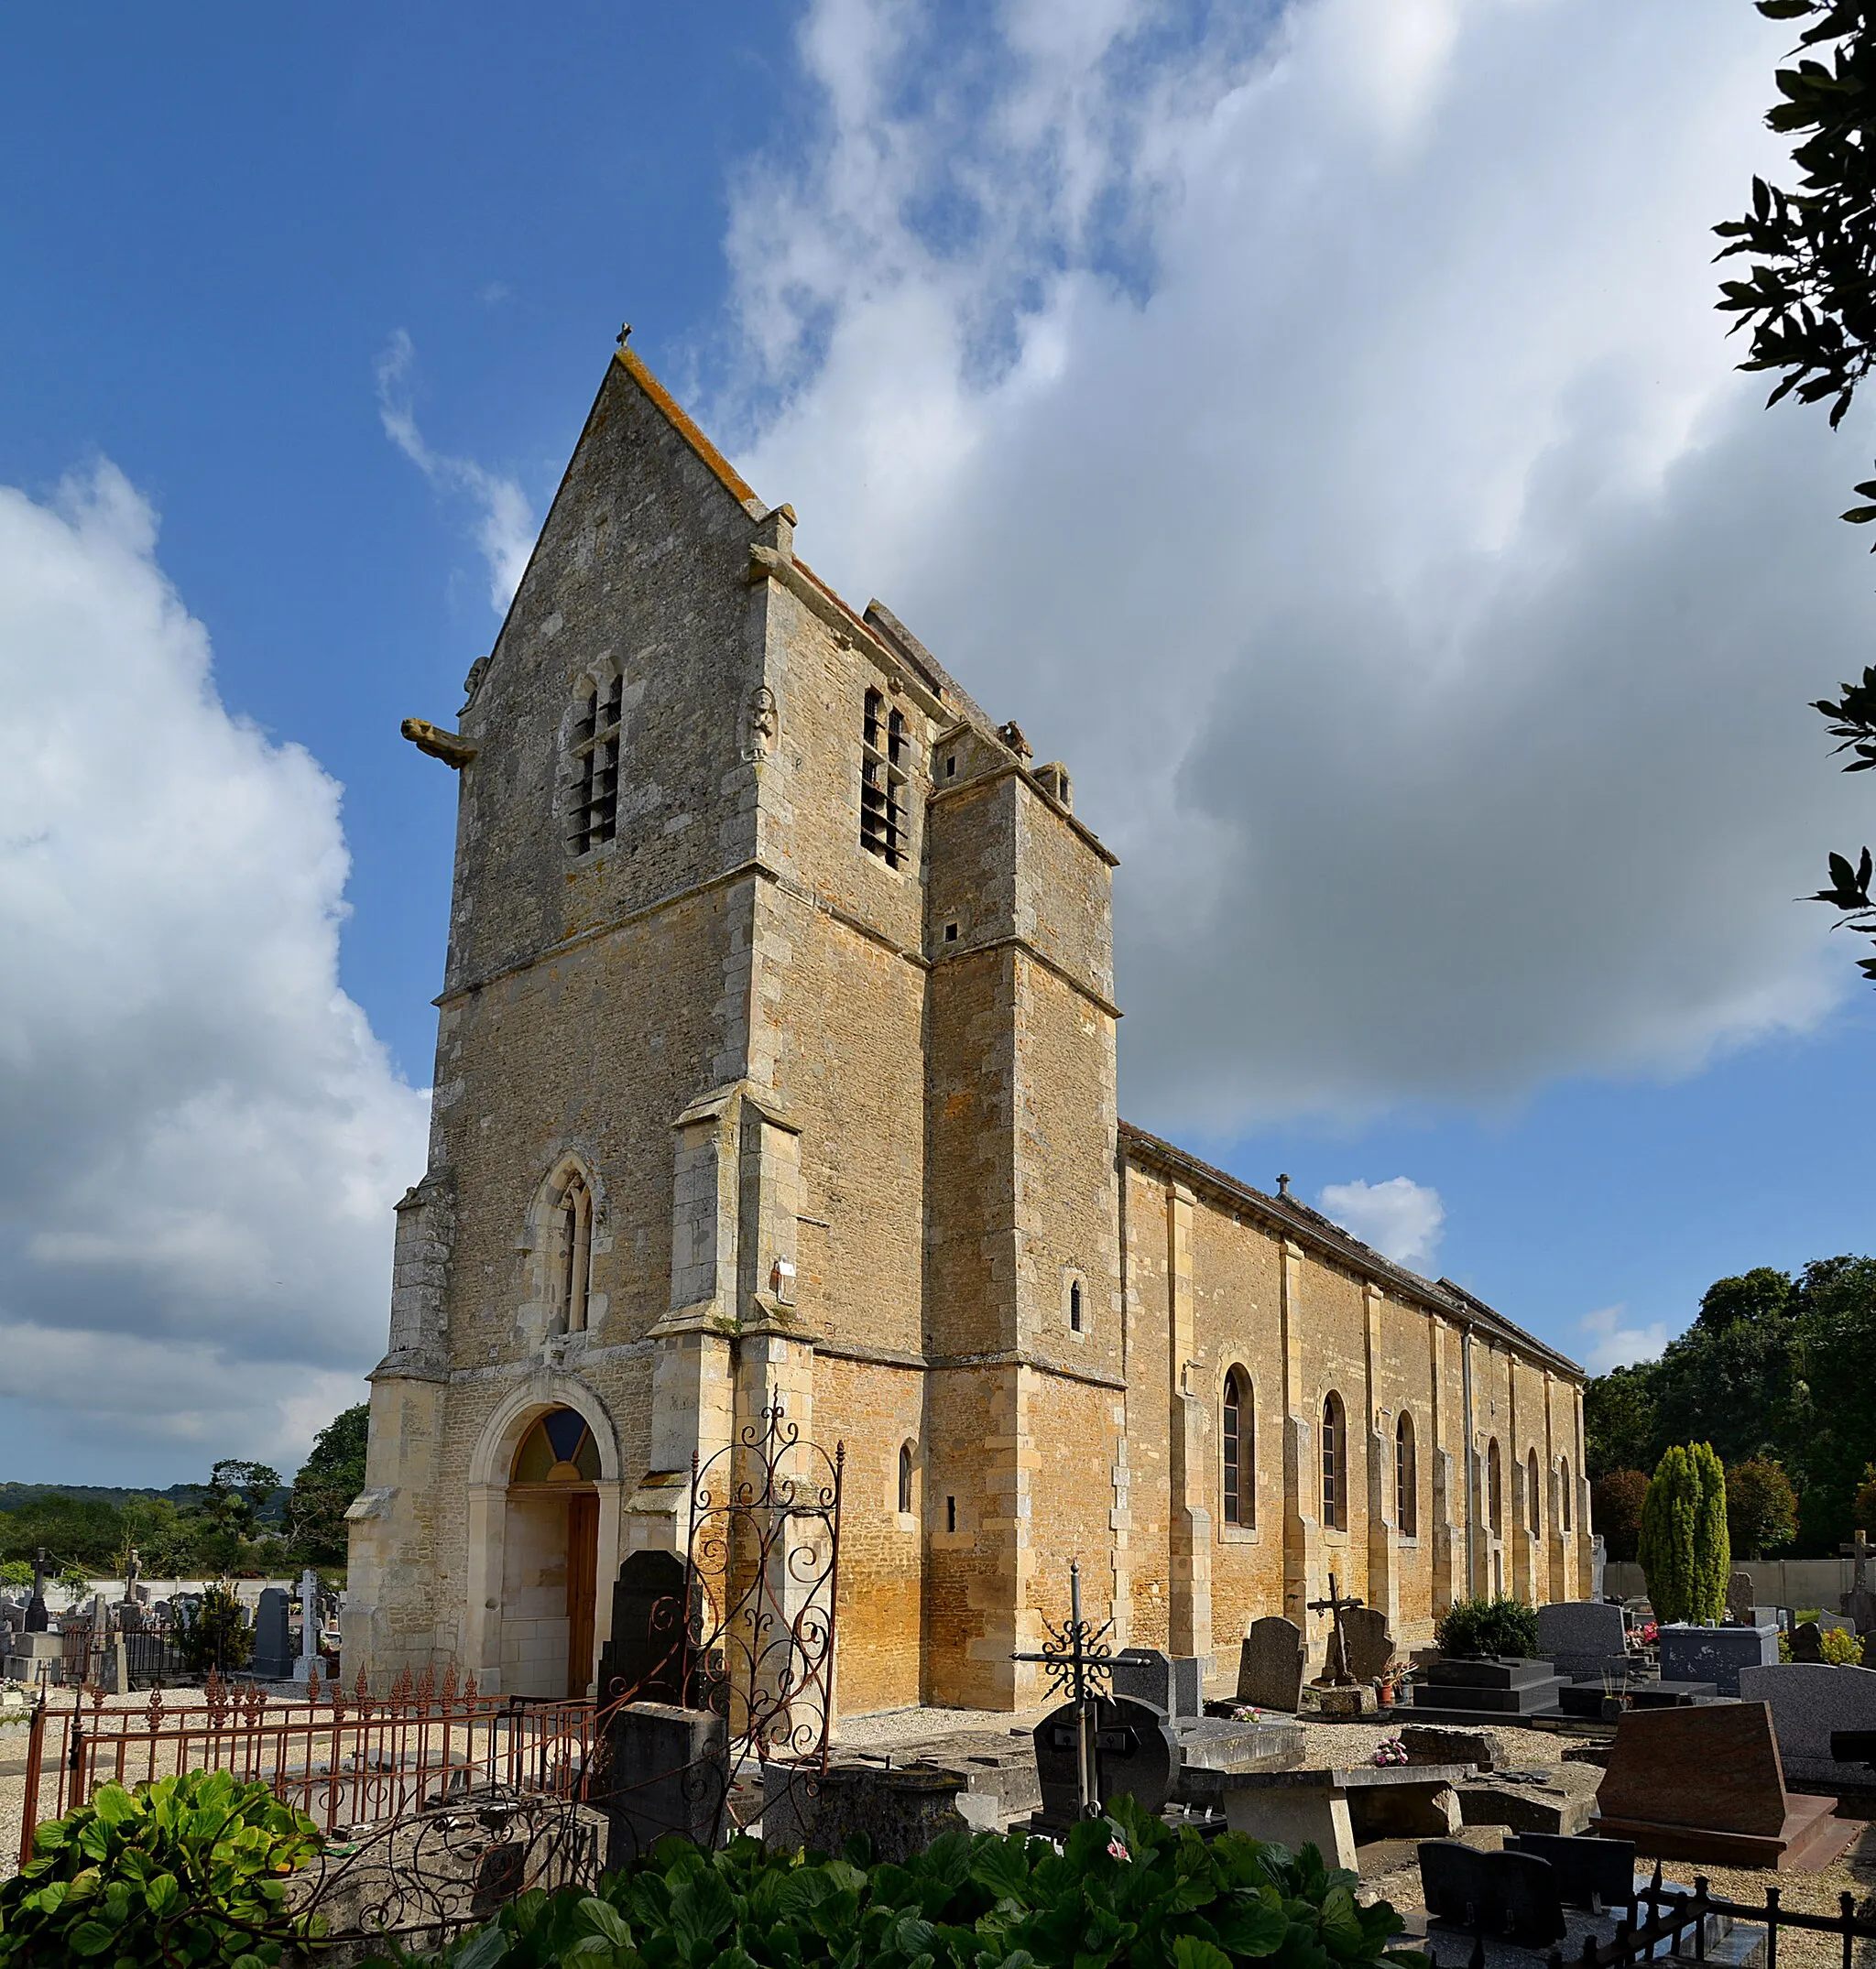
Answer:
[(593, 799), (1406, 1478), (1566, 1517), (905, 1477), (1533, 1512), (575, 1242), (1494, 1489), (1239, 1436), (1075, 1305), (1334, 1464), (559, 1449), (885, 751)]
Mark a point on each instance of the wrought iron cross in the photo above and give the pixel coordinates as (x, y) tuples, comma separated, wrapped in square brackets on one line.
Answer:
[(1077, 1660), (1336, 1674)]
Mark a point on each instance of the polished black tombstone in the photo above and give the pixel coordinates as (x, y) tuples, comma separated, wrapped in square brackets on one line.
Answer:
[(1509, 1896), (1135, 1753), (1591, 1872), (644, 1661)]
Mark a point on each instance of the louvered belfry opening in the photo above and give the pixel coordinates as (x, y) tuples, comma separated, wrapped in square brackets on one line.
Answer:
[(885, 754)]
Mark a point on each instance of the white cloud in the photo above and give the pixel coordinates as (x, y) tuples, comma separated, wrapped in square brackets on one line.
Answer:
[(199, 1138), (505, 525), (1400, 1218), (1612, 1344), (1327, 445)]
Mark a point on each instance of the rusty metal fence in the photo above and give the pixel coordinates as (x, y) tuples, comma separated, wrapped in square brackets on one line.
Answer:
[(344, 1759)]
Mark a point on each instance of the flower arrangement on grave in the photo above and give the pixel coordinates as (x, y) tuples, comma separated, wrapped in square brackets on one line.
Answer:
[(1391, 1684), (1247, 1713), (1390, 1750), (1649, 1633)]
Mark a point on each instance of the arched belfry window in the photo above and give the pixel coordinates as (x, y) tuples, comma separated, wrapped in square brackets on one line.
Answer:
[(1075, 1305), (1334, 1464), (1406, 1478), (1532, 1515), (1566, 1517), (559, 1449), (905, 1477), (885, 754), (1494, 1489), (1239, 1436), (574, 1247), (593, 797)]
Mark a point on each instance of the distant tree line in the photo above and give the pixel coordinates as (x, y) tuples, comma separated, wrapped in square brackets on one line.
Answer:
[(243, 1522), (1779, 1374)]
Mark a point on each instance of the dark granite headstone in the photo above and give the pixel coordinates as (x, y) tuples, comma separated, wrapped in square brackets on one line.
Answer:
[(1807, 1642), (37, 1621), (1590, 1872), (1270, 1664), (1167, 1681), (1135, 1752), (1740, 1597), (1493, 1688), (1369, 1645), (644, 1661), (1511, 1896), (1715, 1654), (667, 1771), (272, 1657)]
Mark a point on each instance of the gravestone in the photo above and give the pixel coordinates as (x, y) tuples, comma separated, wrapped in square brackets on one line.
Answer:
[(1809, 1700), (1807, 1644), (1368, 1644), (308, 1658), (644, 1661), (1599, 1560), (1438, 1743), (1484, 1689), (1583, 1640), (1591, 1872), (1715, 1654), (1706, 1784), (668, 1772), (1135, 1752), (1739, 1596), (272, 1659), (1512, 1897), (1270, 1664), (902, 1810), (1167, 1681)]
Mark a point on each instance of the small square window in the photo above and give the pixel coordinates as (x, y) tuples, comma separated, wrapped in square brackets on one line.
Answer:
[(951, 766), (951, 932)]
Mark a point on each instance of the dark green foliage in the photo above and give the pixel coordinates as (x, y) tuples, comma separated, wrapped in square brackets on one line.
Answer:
[(1761, 1508), (1809, 298), (1685, 1551), (1775, 1369), (1482, 1627), (1125, 1892), (189, 1870), (1618, 1420), (329, 1481), (82, 1531), (212, 1633), (1614, 1506)]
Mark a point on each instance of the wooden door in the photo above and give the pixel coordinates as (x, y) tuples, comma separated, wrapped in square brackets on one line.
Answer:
[(583, 1586)]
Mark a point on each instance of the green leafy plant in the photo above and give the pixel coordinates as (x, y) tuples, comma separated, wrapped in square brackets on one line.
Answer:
[(1125, 1892), (1685, 1551), (1839, 1648), (15, 1573), (1762, 1508), (212, 1632), (189, 1869), (1488, 1626)]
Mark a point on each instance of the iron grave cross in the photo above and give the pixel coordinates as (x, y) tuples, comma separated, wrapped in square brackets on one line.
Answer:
[(1336, 1674), (1075, 1663)]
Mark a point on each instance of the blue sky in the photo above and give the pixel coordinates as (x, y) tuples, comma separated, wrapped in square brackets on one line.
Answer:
[(1326, 401)]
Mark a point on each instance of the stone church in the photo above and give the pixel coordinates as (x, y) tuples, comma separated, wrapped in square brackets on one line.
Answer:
[(776, 1062)]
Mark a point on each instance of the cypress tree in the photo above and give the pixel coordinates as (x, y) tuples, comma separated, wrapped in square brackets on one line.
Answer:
[(1684, 1548), (1713, 1551)]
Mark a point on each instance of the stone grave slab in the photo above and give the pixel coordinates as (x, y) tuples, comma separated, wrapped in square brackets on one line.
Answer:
[(1497, 1689), (1809, 1700), (1585, 1698), (1271, 1663), (1436, 1743), (1323, 1806), (1171, 1683), (1706, 1784), (1715, 1654), (1135, 1752), (1522, 1807), (1368, 1644), (669, 1770), (1582, 1639)]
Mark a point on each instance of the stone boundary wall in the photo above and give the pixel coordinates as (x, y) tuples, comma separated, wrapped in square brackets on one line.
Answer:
[(1776, 1582)]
